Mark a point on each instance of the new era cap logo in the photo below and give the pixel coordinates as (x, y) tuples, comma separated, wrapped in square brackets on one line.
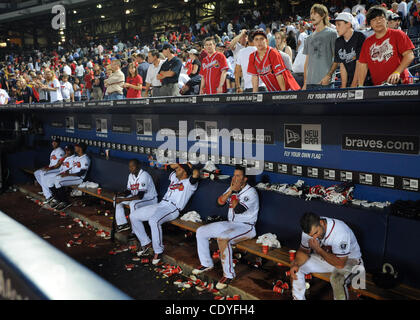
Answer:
[(291, 136)]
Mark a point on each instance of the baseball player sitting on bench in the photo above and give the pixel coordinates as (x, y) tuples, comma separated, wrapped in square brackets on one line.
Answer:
[(72, 177), (48, 179), (327, 246), (140, 192), (54, 167), (184, 182), (242, 216)]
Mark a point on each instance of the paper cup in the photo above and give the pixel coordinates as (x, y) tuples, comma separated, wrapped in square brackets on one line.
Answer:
[(265, 248), (99, 191), (292, 255)]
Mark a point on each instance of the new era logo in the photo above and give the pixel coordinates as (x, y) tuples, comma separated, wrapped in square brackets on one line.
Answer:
[(291, 136)]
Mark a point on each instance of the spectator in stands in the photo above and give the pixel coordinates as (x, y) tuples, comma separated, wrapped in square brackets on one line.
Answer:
[(213, 70), (77, 89), (319, 70), (241, 70), (142, 65), (133, 82), (281, 46), (4, 97), (88, 82), (23, 92), (239, 42), (154, 66), (66, 69), (169, 72), (193, 85), (97, 92), (416, 18), (267, 64), (387, 54), (394, 21), (115, 83), (347, 49), (52, 87), (67, 90)]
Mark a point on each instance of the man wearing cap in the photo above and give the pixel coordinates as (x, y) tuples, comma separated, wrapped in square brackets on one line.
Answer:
[(394, 21), (56, 154), (386, 54), (48, 180), (169, 72), (267, 64), (74, 176), (347, 49), (115, 83), (184, 182), (154, 66), (213, 70), (192, 86)]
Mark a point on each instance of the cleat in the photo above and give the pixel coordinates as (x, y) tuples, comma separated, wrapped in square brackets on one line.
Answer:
[(201, 269), (223, 283), (144, 251), (122, 227)]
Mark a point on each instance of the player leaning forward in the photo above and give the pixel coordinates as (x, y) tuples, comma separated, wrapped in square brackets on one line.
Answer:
[(242, 216), (327, 246), (140, 192), (184, 182)]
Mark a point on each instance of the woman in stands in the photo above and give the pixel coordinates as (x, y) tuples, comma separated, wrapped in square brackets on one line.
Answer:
[(133, 82)]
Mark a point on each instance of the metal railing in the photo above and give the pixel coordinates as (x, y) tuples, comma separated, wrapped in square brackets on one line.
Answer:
[(31, 268)]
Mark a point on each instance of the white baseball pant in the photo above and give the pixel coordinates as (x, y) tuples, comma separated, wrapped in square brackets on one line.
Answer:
[(40, 173), (134, 204), (227, 234), (156, 214), (340, 278), (67, 181), (48, 181)]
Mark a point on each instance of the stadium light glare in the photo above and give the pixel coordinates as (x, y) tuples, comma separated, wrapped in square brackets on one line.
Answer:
[(80, 21), (61, 32), (185, 1), (103, 17), (154, 6), (74, 11), (241, 1), (128, 11), (59, 42), (126, 1), (99, 6)]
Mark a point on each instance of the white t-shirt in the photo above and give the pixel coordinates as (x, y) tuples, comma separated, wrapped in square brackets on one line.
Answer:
[(67, 70), (55, 95), (152, 72), (302, 38), (66, 90), (243, 60), (80, 71), (142, 182), (248, 198), (238, 48), (4, 97), (179, 191), (402, 7), (339, 239), (56, 155)]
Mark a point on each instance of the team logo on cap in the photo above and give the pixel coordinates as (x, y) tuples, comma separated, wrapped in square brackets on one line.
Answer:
[(343, 245)]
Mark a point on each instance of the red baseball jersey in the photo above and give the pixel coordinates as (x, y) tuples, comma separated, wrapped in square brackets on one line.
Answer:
[(211, 69), (269, 67)]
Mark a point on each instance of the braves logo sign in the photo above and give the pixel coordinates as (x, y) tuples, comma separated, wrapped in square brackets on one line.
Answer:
[(175, 186), (381, 52)]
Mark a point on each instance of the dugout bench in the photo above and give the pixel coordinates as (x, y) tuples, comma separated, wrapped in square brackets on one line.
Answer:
[(277, 255)]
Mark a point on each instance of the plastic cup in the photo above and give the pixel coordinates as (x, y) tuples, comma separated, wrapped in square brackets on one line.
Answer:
[(99, 191), (292, 255), (265, 248)]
